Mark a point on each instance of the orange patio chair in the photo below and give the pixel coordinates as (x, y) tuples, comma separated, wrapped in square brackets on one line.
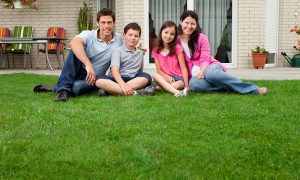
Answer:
[(58, 32), (4, 32)]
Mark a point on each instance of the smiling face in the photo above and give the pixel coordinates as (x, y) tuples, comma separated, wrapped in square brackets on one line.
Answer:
[(168, 34), (106, 25), (131, 38), (188, 25)]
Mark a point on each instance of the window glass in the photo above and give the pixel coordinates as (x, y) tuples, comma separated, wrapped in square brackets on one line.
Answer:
[(215, 20), (110, 4), (159, 12)]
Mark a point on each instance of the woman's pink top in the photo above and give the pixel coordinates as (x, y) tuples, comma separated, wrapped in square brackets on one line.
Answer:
[(201, 55), (169, 64)]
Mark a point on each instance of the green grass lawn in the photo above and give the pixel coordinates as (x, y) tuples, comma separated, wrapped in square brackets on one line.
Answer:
[(202, 136)]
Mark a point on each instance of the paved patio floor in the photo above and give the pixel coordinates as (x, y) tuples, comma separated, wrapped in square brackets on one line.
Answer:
[(242, 73)]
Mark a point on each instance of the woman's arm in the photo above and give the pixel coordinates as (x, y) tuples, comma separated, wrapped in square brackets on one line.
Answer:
[(204, 59), (183, 70)]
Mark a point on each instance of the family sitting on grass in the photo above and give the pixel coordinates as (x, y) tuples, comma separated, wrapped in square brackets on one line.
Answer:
[(183, 62)]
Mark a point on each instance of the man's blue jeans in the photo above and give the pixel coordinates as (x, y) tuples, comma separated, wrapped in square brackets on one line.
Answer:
[(218, 80), (72, 77)]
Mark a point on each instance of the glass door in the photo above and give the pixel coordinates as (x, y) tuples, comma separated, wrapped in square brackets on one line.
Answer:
[(160, 11), (215, 20)]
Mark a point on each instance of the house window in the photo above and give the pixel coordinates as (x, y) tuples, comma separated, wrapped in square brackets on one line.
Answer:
[(110, 4), (215, 20)]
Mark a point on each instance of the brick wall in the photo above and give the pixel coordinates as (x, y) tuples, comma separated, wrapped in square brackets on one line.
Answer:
[(128, 11), (286, 21), (251, 29)]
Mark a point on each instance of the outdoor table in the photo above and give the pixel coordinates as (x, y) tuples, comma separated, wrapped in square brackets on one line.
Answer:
[(34, 40)]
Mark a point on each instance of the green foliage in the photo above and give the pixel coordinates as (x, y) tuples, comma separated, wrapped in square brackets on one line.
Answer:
[(259, 50), (84, 21), (10, 3), (202, 136)]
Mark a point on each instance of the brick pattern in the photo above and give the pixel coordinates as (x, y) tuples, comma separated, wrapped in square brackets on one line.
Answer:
[(286, 21), (128, 11), (251, 20)]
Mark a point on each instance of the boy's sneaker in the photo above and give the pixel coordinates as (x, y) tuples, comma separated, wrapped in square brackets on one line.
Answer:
[(101, 92), (146, 91), (182, 93)]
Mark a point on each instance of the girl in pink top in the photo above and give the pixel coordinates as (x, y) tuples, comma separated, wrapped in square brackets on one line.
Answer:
[(206, 73), (172, 74)]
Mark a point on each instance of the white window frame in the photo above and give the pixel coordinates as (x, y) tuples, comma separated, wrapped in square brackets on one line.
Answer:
[(190, 6), (271, 28)]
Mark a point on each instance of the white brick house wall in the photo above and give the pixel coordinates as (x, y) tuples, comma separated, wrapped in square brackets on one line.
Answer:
[(128, 11), (286, 39), (251, 18)]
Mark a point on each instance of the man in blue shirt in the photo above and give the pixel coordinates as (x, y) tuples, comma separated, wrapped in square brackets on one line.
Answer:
[(89, 57)]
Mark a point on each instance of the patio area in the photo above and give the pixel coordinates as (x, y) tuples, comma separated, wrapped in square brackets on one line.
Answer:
[(242, 73)]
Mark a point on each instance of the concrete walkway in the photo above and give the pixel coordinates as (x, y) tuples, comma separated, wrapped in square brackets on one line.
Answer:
[(242, 73)]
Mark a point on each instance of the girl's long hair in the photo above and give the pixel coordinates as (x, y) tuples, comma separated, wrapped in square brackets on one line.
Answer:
[(172, 44), (194, 37)]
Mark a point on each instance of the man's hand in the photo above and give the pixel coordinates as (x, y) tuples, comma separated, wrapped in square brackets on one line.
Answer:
[(127, 89), (91, 76)]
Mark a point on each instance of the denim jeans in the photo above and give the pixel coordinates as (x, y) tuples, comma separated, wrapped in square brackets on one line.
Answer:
[(218, 80), (73, 76)]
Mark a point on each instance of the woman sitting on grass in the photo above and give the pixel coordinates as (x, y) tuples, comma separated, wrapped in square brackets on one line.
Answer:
[(207, 74)]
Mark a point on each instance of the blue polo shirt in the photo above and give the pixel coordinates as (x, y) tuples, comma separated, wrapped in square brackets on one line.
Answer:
[(98, 51)]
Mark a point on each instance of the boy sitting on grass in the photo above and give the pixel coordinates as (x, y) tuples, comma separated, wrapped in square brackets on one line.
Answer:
[(126, 76)]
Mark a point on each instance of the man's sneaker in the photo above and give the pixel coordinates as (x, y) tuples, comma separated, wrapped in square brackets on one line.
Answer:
[(182, 93), (62, 96), (146, 91), (101, 92), (43, 88)]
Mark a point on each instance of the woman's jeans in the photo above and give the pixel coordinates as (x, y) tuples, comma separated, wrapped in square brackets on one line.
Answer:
[(215, 79), (73, 76)]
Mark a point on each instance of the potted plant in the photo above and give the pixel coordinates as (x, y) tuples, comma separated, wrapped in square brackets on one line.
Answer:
[(12, 4), (259, 57)]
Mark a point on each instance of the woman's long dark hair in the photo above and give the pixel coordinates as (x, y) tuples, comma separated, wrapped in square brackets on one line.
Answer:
[(192, 43), (172, 44)]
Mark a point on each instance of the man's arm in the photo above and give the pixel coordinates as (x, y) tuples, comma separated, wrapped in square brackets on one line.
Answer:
[(77, 46)]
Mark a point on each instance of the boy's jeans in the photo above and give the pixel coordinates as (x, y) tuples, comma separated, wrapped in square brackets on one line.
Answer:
[(73, 76), (218, 80)]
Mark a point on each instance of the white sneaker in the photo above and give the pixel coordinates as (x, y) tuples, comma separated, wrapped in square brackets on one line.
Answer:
[(185, 92), (182, 93), (179, 94)]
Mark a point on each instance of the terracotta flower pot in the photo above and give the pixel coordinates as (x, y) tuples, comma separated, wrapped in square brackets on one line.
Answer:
[(259, 60)]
